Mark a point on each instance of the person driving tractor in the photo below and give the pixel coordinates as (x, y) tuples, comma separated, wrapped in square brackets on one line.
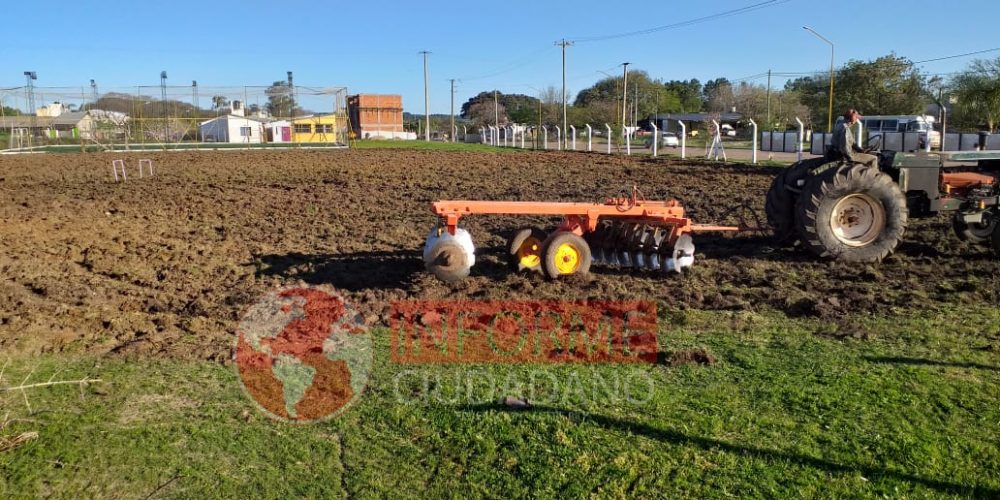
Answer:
[(844, 144)]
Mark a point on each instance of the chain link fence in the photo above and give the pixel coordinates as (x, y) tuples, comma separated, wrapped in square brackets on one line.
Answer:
[(173, 117)]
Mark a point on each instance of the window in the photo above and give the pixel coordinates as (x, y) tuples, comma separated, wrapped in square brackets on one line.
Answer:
[(303, 128), (889, 125), (246, 132), (873, 125), (323, 128)]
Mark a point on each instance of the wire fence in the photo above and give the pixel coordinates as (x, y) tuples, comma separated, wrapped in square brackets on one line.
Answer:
[(172, 117)]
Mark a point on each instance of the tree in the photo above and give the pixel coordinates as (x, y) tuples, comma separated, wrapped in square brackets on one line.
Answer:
[(714, 87), (719, 96), (516, 108), (484, 113), (604, 98), (281, 100), (977, 91), (889, 85), (9, 111), (688, 92), (219, 102)]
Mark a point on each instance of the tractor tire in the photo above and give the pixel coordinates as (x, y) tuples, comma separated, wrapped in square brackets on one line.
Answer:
[(995, 241), (565, 254), (524, 250), (851, 213), (780, 202), (980, 233)]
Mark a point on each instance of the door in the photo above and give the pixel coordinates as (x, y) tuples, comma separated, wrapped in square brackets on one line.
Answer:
[(286, 134)]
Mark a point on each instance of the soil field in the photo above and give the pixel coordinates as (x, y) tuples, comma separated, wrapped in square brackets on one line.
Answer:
[(164, 266)]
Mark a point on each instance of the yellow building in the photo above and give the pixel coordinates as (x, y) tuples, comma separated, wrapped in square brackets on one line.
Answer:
[(317, 128)]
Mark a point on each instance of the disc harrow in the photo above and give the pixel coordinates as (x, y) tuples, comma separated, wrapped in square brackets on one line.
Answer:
[(623, 232)]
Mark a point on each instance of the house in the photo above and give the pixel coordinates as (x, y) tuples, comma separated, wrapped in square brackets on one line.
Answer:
[(377, 116), (71, 125), (278, 131), (316, 128), (232, 129)]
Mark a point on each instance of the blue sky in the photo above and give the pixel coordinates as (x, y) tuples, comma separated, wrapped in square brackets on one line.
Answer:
[(373, 47)]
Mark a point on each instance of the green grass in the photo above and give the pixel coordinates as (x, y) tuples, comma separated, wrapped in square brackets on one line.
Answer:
[(903, 407)]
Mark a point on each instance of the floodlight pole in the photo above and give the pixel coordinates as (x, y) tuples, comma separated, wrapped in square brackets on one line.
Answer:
[(829, 118)]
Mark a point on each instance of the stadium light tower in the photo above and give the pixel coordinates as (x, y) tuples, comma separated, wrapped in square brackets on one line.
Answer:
[(30, 77), (829, 118)]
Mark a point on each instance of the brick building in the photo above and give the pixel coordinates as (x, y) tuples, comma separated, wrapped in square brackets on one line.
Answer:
[(377, 116)]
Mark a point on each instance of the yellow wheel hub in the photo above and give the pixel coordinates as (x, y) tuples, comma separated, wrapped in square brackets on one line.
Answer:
[(567, 258), (529, 254)]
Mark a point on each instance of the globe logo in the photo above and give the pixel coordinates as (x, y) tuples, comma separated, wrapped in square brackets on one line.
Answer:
[(303, 353)]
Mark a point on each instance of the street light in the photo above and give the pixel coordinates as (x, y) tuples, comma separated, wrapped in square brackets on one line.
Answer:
[(829, 118)]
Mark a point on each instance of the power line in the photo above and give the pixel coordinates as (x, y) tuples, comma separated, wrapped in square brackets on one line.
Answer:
[(682, 24), (527, 60)]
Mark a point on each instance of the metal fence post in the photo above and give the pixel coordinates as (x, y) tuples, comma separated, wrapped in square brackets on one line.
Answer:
[(573, 135), (802, 136), (654, 138), (545, 131), (558, 138), (609, 137), (753, 154), (590, 140), (628, 141), (683, 139)]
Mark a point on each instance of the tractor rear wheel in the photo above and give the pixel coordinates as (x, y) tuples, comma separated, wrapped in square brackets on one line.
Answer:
[(524, 250), (780, 202), (565, 254), (980, 232), (996, 241), (851, 213)]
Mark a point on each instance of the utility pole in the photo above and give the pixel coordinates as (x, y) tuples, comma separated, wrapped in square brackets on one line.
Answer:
[(452, 132), (625, 93), (496, 117), (768, 100), (427, 101), (563, 43)]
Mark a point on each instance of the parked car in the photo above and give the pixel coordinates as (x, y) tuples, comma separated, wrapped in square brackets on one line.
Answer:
[(667, 139), (728, 130)]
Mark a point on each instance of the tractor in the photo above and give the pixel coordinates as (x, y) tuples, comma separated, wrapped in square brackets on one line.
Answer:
[(855, 213)]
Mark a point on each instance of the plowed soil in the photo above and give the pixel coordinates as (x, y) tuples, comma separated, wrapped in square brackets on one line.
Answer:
[(165, 265)]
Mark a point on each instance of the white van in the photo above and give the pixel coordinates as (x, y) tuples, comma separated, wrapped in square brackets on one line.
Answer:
[(922, 124)]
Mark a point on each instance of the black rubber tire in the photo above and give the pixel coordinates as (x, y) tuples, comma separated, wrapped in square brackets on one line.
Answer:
[(995, 241), (814, 211), (780, 202), (448, 262), (515, 243), (975, 233), (553, 244)]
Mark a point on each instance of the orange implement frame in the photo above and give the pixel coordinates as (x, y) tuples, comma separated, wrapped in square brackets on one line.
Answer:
[(581, 218)]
